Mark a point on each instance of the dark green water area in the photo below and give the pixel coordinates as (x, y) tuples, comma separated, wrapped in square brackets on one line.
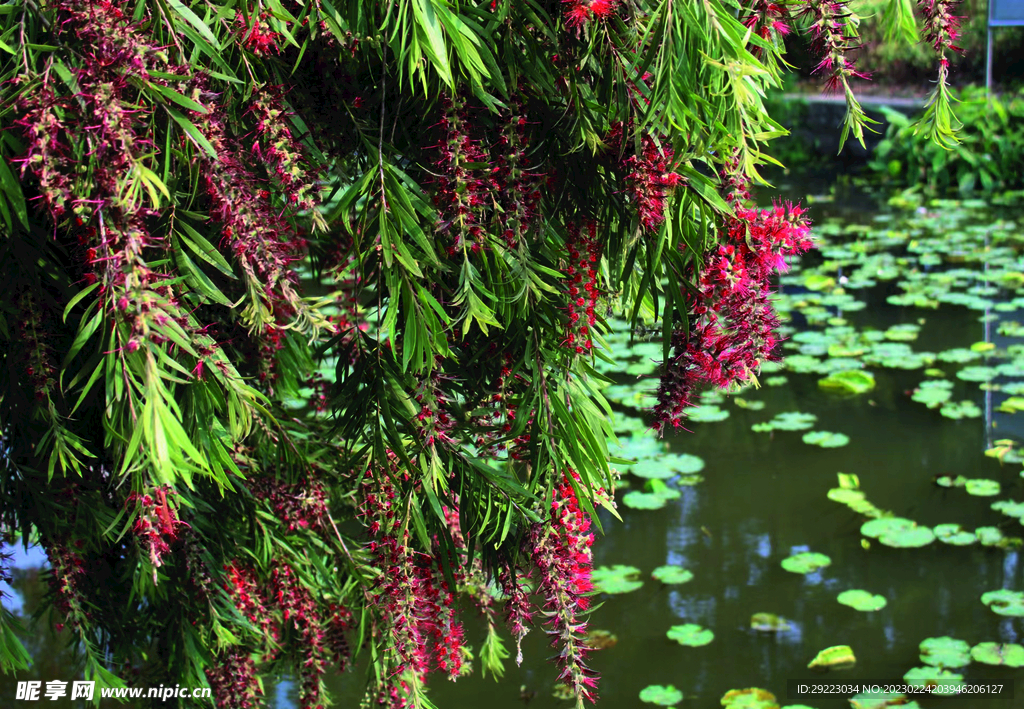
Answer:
[(867, 494)]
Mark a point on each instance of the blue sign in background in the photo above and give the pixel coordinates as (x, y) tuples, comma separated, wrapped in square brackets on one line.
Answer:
[(1006, 12)]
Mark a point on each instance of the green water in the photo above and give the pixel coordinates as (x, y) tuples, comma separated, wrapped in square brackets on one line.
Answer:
[(764, 498)]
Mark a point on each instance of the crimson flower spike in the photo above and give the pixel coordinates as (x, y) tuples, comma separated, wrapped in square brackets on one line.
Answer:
[(833, 37)]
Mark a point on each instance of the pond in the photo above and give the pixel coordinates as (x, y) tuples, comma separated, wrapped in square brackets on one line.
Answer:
[(923, 297)]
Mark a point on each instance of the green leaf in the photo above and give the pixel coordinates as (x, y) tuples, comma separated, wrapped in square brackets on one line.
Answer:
[(194, 133)]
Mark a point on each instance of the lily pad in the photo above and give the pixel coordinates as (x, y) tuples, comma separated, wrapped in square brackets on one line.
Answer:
[(834, 658), (671, 574), (959, 355), (943, 683), (707, 413), (1005, 602), (690, 634), (1008, 654), (616, 579), (945, 652), (982, 488), (1010, 508), (805, 562), (662, 696), (600, 639), (769, 623), (881, 700), (977, 374), (652, 469), (826, 439), (638, 500), (908, 538), (862, 600), (933, 394), (848, 382), (845, 496), (791, 421), (960, 410), (751, 698), (954, 535)]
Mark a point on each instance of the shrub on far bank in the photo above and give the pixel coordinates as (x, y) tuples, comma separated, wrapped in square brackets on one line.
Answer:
[(989, 155)]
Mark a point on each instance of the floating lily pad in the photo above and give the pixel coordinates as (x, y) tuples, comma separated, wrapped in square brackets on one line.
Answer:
[(943, 683), (707, 413), (977, 374), (861, 600), (805, 562), (790, 421), (672, 574), (903, 333), (690, 634), (945, 652), (638, 500), (776, 381), (908, 538), (769, 623), (600, 639), (877, 527), (845, 496), (661, 696), (1009, 654), (959, 355), (947, 481), (1005, 602), (751, 698), (834, 658), (990, 536), (881, 700), (982, 488), (652, 469), (1010, 508), (933, 394), (960, 410), (749, 405), (848, 382), (616, 579), (954, 535), (826, 439)]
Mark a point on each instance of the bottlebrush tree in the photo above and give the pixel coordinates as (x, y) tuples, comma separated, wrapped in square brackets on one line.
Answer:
[(467, 191)]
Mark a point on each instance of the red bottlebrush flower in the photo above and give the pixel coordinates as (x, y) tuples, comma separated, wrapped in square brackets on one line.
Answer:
[(765, 18), (648, 179), (733, 321), (234, 681), (156, 525), (560, 549), (258, 39), (830, 41), (298, 505), (282, 153), (300, 611), (941, 30), (518, 610), (67, 574), (584, 253)]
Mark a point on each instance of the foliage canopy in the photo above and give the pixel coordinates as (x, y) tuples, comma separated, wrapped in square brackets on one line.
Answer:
[(303, 298)]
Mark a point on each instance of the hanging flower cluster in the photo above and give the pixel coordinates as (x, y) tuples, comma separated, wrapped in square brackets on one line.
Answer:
[(37, 351), (560, 550), (766, 18), (734, 322), (434, 421), (648, 179), (518, 609), (67, 574), (157, 525), (463, 190), (278, 148), (518, 186), (581, 287), (580, 13), (234, 681), (830, 41), (941, 30), (298, 505), (300, 611), (243, 586), (416, 602), (259, 38)]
